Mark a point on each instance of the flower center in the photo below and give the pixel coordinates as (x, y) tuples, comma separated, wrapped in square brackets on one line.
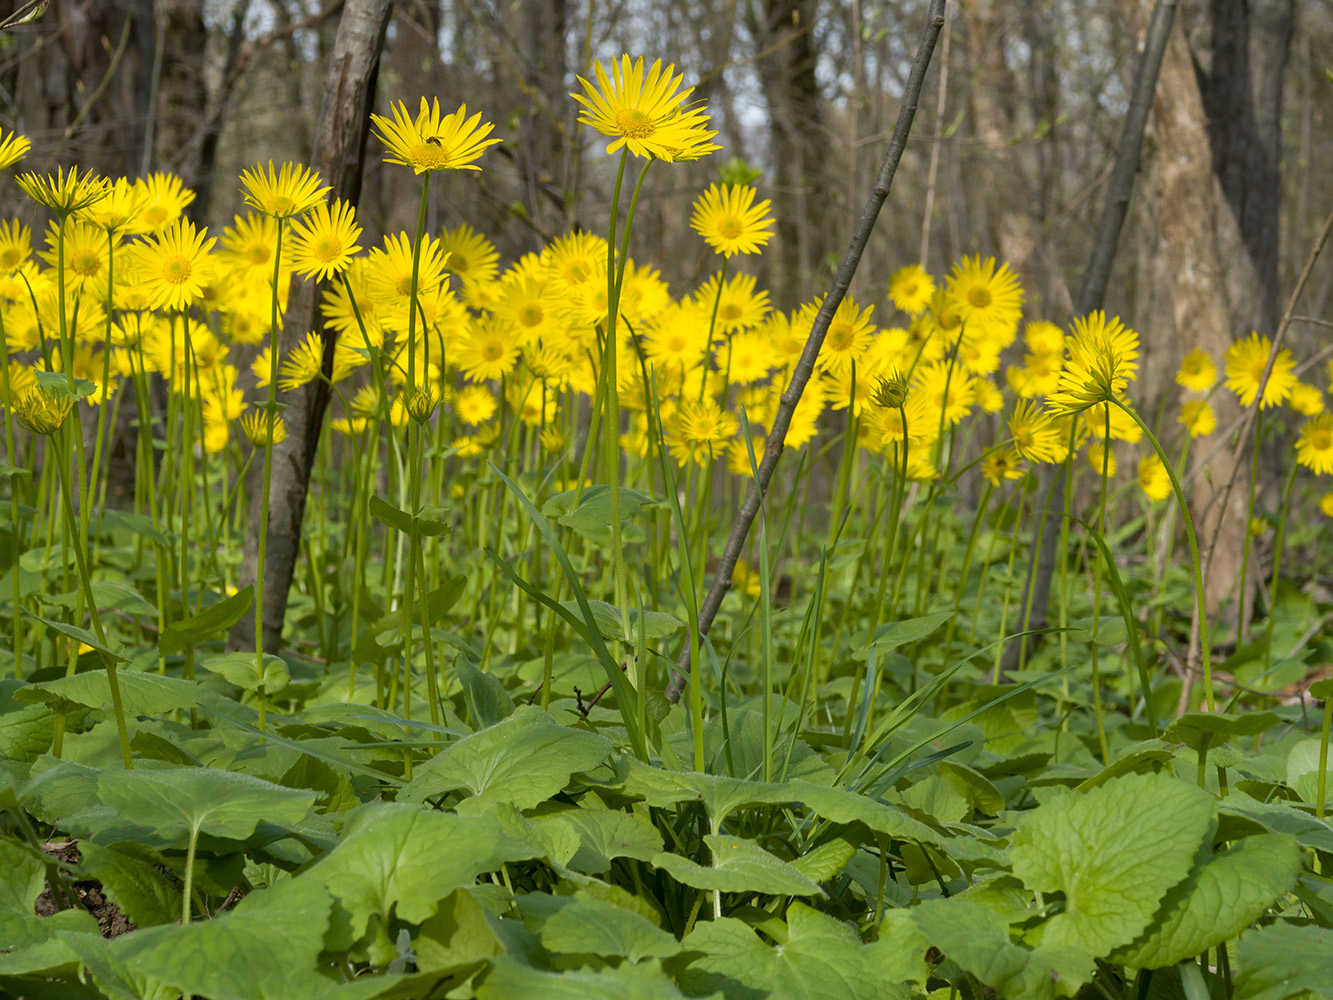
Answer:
[(258, 253), (1321, 440), (85, 263), (530, 315), (840, 337), (730, 311), (634, 124), (979, 297), (730, 228), (492, 351), (329, 248), (176, 270)]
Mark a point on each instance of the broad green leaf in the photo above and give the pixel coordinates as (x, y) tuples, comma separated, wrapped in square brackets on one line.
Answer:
[(389, 515), (208, 624), (140, 693), (822, 959), (141, 891), (891, 635), (936, 797), (593, 512), (721, 796), (488, 702), (110, 648), (507, 979), (1222, 896), (581, 925), (735, 961), (826, 860), (1284, 960), (174, 802), (310, 772), (38, 946), (974, 786), (1192, 727), (26, 730), (606, 834), (426, 523), (524, 759), (25, 874), (977, 938), (399, 858), (739, 866), (57, 384), (458, 935), (243, 670), (266, 948), (112, 594), (1277, 817), (1113, 851), (657, 624), (138, 524)]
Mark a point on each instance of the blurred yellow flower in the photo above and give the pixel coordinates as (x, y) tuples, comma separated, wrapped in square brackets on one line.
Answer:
[(911, 289), (1197, 416), (1197, 371), (1246, 360), (1314, 448), (1153, 478)]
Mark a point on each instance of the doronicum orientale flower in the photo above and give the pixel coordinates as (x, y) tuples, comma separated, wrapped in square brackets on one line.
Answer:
[(646, 114), (429, 142), (729, 220), (291, 190)]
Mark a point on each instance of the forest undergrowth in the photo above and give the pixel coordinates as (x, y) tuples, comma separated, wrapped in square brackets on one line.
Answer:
[(545, 721)]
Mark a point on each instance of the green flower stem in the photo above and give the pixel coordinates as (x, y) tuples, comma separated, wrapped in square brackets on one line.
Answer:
[(712, 327), (1009, 582), (1321, 785), (11, 455), (86, 585), (270, 421), (1205, 646), (1094, 646), (1248, 543), (1277, 566)]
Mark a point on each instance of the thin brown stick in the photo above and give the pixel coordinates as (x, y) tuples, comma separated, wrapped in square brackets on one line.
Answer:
[(1247, 419), (805, 366)]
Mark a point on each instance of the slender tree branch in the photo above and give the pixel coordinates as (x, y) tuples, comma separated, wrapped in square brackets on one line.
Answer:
[(805, 366)]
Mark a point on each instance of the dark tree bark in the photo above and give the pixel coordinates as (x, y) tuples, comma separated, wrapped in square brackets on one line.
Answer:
[(340, 151), (784, 36), (1218, 119)]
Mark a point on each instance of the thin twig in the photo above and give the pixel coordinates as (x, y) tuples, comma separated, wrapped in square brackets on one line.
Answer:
[(805, 367)]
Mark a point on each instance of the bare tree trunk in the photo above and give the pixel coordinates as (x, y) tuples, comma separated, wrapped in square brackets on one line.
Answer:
[(1218, 114), (784, 32), (340, 150)]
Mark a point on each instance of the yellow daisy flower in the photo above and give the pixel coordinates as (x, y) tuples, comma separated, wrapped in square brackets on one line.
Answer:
[(645, 114), (254, 425), (1101, 459), (1306, 399), (472, 257), (729, 220), (1153, 478), (163, 197), (1197, 371), (15, 245), (1035, 434), (987, 298), (1314, 449), (120, 209), (64, 193), (1326, 504), (1246, 360), (1198, 417), (911, 289), (291, 190), (12, 148), (174, 266), (429, 142), (323, 243), (1000, 464)]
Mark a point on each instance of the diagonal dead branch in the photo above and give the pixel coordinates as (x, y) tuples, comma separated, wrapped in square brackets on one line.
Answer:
[(805, 366)]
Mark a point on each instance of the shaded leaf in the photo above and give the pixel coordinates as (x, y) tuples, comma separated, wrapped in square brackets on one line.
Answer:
[(143, 893), (140, 693), (1223, 895), (399, 858), (1284, 960), (738, 866), (208, 624)]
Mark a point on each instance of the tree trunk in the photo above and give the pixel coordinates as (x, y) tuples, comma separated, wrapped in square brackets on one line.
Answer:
[(784, 31), (340, 150), (1218, 113)]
